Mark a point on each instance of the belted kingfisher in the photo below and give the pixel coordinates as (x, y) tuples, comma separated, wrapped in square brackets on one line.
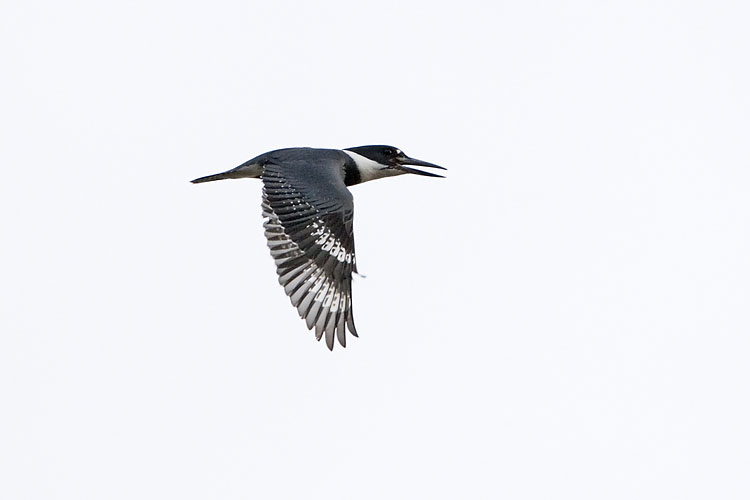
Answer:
[(308, 214)]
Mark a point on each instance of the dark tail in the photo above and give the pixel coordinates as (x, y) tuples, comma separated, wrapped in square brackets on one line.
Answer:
[(250, 169), (209, 178)]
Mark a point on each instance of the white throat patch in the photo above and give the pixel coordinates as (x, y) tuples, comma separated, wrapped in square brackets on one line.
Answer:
[(370, 170)]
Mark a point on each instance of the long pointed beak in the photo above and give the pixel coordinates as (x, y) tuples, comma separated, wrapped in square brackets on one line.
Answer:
[(405, 160)]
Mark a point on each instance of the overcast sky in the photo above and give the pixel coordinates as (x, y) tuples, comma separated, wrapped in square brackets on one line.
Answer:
[(565, 316)]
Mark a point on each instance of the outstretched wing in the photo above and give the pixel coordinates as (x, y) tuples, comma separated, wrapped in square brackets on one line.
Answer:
[(309, 213)]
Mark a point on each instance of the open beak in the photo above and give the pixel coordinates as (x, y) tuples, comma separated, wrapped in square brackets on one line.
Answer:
[(404, 160)]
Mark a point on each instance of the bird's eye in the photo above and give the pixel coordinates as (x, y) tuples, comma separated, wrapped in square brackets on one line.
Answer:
[(388, 151)]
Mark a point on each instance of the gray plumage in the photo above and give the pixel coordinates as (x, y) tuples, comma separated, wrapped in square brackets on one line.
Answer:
[(309, 215)]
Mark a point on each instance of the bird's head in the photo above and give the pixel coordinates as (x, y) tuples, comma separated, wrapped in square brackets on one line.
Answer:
[(383, 161)]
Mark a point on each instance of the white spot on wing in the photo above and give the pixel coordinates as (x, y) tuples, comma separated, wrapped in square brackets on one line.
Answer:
[(324, 302)]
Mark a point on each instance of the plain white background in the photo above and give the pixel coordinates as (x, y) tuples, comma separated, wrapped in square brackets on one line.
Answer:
[(564, 316)]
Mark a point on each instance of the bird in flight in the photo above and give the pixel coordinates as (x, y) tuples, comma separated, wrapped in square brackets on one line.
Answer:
[(308, 214)]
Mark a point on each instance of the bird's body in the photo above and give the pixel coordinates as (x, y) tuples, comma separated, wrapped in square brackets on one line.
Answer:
[(309, 214)]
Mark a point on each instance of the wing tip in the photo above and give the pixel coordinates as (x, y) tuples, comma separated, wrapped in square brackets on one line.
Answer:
[(333, 332)]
